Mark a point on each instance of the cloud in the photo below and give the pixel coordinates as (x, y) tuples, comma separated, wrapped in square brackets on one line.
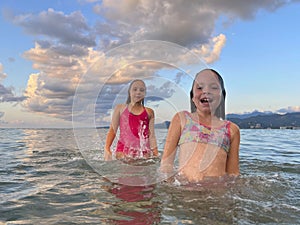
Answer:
[(50, 95), (7, 93), (189, 23), (66, 29), (166, 90), (67, 47), (2, 74), (289, 109), (211, 51), (2, 122), (174, 21), (57, 59), (88, 1), (115, 89), (52, 90)]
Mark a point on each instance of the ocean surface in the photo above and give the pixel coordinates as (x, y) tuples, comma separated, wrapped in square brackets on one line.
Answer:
[(51, 176)]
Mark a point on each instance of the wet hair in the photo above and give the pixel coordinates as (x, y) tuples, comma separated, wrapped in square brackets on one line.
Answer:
[(128, 96), (220, 111)]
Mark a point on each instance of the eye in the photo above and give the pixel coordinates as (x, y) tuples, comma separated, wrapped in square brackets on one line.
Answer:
[(215, 87), (199, 87)]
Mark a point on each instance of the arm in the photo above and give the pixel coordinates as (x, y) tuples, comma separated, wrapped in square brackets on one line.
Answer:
[(168, 157), (152, 138), (111, 134), (232, 164)]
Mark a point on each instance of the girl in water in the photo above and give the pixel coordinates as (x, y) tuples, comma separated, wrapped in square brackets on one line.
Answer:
[(136, 123), (208, 145)]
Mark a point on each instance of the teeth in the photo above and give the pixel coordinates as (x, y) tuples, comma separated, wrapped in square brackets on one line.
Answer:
[(204, 100)]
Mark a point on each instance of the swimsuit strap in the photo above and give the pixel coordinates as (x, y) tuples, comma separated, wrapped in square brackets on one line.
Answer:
[(138, 115)]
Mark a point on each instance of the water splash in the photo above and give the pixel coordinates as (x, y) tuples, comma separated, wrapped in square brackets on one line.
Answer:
[(143, 140)]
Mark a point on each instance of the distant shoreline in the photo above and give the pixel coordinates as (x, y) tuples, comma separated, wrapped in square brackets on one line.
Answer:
[(288, 121)]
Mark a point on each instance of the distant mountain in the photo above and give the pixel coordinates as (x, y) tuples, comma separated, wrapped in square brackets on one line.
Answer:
[(247, 115), (264, 121), (162, 125), (258, 120)]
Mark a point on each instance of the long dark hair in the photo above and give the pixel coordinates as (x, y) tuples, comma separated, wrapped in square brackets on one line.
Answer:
[(128, 96), (220, 111)]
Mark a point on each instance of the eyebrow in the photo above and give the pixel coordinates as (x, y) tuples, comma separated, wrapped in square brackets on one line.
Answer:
[(200, 83)]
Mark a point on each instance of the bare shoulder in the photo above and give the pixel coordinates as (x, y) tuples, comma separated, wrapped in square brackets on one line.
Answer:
[(150, 112), (176, 125), (179, 118), (234, 129), (120, 108)]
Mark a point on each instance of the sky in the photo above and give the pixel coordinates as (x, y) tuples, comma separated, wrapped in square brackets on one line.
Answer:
[(68, 62)]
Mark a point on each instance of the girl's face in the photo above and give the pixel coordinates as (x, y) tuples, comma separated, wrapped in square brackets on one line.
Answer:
[(207, 92), (137, 91)]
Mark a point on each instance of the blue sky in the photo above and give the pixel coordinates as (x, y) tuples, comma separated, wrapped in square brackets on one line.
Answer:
[(48, 46)]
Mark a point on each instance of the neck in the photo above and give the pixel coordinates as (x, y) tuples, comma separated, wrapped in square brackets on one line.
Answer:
[(204, 114), (205, 117), (135, 104)]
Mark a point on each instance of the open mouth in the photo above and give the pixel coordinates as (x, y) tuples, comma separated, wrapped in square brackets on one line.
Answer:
[(205, 100)]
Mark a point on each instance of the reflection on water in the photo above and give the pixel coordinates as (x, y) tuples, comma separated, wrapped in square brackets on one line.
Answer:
[(44, 179), (136, 205)]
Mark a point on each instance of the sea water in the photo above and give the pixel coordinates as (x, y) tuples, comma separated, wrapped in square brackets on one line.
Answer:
[(44, 179)]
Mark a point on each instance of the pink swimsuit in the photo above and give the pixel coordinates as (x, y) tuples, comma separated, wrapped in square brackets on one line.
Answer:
[(134, 134)]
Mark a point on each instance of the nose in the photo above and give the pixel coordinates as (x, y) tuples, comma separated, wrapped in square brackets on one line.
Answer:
[(205, 89)]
